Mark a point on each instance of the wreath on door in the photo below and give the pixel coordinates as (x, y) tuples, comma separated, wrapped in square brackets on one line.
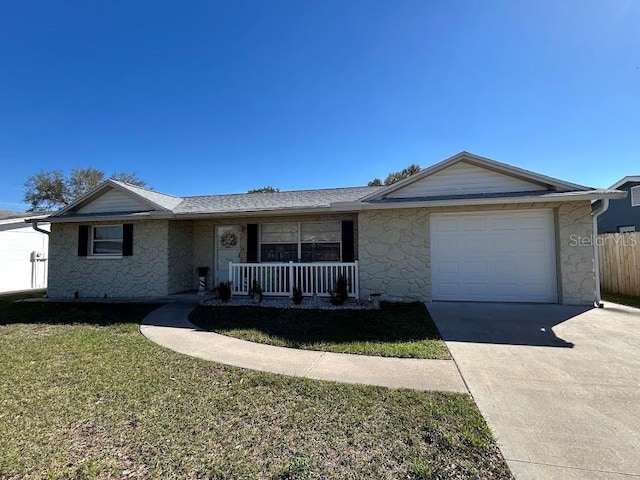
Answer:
[(229, 239)]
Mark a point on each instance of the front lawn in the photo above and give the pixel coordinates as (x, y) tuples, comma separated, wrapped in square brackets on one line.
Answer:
[(622, 299), (86, 396), (396, 330)]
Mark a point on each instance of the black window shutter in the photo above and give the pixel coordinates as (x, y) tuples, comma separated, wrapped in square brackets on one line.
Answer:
[(348, 247), (127, 239), (83, 240), (252, 243)]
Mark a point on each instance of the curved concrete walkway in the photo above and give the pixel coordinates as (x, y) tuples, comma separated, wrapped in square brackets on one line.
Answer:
[(169, 326)]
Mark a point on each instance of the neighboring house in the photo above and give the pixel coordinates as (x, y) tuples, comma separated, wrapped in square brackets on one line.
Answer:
[(467, 228), (623, 215), (23, 253)]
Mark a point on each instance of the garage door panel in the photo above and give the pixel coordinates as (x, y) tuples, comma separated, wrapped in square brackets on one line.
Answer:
[(506, 290), (536, 246), (475, 267), (443, 224), (449, 289), (474, 246), (445, 267), (477, 289), (504, 244), (494, 256), (447, 247), (474, 225), (501, 223)]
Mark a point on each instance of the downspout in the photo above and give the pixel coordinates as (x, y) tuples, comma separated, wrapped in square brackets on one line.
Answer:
[(34, 224), (596, 254)]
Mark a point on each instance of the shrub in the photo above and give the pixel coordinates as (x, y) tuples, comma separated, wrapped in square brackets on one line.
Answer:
[(297, 295), (224, 291), (340, 293), (256, 289)]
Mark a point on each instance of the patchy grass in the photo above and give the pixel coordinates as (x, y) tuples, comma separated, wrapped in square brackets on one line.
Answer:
[(622, 299), (396, 330), (95, 399)]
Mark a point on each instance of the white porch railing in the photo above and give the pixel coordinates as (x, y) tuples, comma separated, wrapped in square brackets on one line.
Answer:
[(280, 278)]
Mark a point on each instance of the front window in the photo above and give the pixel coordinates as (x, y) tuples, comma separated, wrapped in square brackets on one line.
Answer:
[(279, 242), (309, 242), (106, 240), (320, 242)]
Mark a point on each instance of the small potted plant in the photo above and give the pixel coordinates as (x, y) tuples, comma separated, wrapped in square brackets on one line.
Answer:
[(202, 279), (375, 299), (256, 291)]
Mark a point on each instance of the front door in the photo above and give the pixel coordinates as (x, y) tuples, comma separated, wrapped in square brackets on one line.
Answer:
[(227, 249)]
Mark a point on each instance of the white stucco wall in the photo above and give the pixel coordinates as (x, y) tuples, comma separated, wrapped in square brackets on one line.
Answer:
[(145, 273)]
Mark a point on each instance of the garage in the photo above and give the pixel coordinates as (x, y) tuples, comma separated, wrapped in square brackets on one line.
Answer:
[(506, 256)]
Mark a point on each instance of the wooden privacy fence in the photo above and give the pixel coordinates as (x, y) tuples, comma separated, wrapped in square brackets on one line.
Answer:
[(620, 263)]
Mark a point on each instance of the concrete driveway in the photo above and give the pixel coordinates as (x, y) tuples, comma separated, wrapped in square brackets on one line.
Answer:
[(559, 386)]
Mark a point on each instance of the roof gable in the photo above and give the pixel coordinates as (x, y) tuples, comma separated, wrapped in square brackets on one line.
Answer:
[(464, 178), (114, 200), (635, 179), (113, 196), (468, 174)]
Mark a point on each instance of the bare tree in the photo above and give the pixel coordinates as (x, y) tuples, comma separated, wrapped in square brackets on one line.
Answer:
[(51, 190)]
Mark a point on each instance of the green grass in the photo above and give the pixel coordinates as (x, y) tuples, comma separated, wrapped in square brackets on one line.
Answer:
[(622, 299), (86, 396), (396, 330)]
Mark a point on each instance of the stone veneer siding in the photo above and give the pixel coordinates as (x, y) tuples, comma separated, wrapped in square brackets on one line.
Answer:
[(181, 270), (394, 251), (145, 273), (394, 254), (574, 232)]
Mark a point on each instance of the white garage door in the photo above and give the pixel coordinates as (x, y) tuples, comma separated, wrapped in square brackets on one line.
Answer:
[(494, 256)]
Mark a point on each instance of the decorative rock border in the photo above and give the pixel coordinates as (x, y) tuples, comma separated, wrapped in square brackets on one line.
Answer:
[(307, 304)]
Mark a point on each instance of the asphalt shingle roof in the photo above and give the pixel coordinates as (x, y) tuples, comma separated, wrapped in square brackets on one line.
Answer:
[(164, 200), (247, 202), (7, 214)]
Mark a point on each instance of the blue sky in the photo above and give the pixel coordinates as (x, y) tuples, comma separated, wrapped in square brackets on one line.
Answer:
[(219, 97)]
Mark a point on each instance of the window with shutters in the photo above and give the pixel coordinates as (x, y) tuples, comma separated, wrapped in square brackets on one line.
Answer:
[(635, 196), (106, 240), (309, 242)]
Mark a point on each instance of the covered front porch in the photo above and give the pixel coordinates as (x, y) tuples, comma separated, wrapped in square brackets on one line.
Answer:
[(280, 279)]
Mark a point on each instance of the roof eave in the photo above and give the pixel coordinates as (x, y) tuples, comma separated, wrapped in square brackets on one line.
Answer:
[(627, 179), (578, 196), (194, 215), (255, 212), (111, 217)]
